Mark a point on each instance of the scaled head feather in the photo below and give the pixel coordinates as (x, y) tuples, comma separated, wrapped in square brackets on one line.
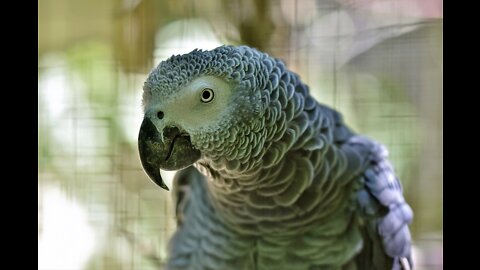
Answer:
[(251, 130)]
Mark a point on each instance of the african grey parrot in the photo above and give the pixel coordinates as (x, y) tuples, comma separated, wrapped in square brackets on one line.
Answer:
[(278, 180)]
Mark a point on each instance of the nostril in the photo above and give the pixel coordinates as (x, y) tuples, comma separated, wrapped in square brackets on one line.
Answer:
[(160, 115)]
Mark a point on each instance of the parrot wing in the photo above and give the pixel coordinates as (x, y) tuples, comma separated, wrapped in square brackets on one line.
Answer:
[(385, 214), (381, 205)]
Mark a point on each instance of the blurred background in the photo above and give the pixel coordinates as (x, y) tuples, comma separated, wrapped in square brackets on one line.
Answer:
[(380, 62)]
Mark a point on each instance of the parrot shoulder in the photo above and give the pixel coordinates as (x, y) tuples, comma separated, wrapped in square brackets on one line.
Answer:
[(182, 191)]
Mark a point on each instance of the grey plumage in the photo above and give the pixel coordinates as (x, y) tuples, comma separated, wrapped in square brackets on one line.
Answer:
[(282, 182)]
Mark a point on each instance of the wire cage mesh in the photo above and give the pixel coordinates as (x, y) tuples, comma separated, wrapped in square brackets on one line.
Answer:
[(377, 62)]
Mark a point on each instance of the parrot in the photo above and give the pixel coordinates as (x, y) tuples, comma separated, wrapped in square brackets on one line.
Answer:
[(267, 177)]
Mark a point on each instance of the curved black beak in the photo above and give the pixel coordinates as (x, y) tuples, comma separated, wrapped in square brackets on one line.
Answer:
[(175, 152)]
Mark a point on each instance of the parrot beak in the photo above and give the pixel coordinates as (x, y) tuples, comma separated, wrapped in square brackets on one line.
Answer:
[(174, 152)]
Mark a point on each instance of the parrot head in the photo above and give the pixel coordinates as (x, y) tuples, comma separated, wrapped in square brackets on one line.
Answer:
[(207, 107)]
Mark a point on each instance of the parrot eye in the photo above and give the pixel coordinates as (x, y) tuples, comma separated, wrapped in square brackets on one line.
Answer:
[(207, 95)]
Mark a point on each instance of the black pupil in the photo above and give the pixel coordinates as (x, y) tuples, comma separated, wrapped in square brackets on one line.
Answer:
[(206, 95)]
